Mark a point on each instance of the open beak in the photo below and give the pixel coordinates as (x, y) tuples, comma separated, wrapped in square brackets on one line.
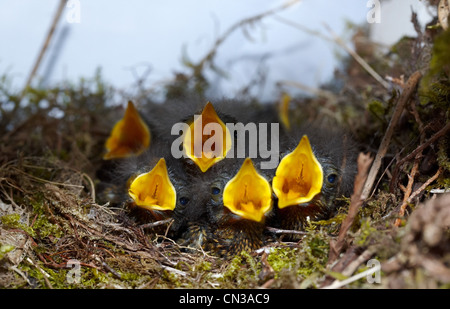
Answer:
[(208, 140), (154, 190), (248, 194), (299, 176), (129, 136)]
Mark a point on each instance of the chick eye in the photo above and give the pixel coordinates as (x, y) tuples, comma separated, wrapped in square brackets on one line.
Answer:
[(215, 190), (332, 178), (183, 200)]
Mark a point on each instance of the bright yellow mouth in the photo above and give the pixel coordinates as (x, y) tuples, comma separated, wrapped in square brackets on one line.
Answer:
[(154, 190), (129, 136), (299, 176), (207, 147), (248, 194)]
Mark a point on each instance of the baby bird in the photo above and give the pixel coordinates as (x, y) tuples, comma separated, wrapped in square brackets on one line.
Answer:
[(129, 137), (240, 200), (145, 178), (316, 167)]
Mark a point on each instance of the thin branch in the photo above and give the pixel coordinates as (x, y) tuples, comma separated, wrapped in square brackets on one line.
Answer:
[(410, 87), (425, 185), (336, 39), (358, 59), (408, 191), (44, 47), (419, 149), (281, 231), (338, 284), (356, 200), (234, 27), (155, 224), (409, 197)]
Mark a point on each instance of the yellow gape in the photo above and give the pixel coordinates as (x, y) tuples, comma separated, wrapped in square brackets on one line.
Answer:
[(154, 190), (129, 136), (248, 194), (208, 139), (299, 176)]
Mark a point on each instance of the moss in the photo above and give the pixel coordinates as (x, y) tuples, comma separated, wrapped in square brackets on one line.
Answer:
[(442, 155), (241, 272), (366, 233), (4, 249), (13, 221), (283, 258), (440, 62)]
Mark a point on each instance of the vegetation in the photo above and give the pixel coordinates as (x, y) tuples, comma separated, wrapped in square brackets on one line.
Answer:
[(51, 145)]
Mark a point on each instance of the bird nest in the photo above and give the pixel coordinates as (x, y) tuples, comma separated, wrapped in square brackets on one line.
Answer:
[(55, 234)]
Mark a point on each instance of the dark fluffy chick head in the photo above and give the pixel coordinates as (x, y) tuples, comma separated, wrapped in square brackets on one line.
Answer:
[(240, 199), (317, 166)]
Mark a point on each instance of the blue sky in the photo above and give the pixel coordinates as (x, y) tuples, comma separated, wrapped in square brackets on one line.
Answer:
[(125, 38)]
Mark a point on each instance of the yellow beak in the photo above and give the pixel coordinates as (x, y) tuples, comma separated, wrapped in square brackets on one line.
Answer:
[(299, 176), (129, 136), (248, 194), (207, 149), (154, 190)]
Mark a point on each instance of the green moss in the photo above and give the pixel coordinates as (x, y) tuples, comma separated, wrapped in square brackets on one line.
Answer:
[(442, 155), (13, 221), (4, 249), (366, 233), (435, 86), (378, 109), (283, 258)]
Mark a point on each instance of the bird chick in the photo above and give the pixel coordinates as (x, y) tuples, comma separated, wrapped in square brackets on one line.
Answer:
[(241, 198), (129, 136), (314, 170), (144, 178), (157, 188)]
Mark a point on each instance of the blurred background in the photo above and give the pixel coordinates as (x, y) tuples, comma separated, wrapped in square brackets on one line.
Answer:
[(147, 43)]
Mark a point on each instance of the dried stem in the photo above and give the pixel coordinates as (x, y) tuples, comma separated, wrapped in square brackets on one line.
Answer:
[(281, 231), (208, 58), (416, 151), (356, 200), (48, 38), (358, 59), (408, 198), (408, 190), (410, 87)]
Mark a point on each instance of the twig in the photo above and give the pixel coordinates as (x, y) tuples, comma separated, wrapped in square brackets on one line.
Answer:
[(356, 200), (338, 284), (154, 224), (407, 191), (426, 184), (91, 183), (358, 59), (404, 98), (174, 270), (111, 270), (280, 231), (336, 39), (409, 197), (45, 275), (47, 181), (208, 58), (416, 151), (48, 38)]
